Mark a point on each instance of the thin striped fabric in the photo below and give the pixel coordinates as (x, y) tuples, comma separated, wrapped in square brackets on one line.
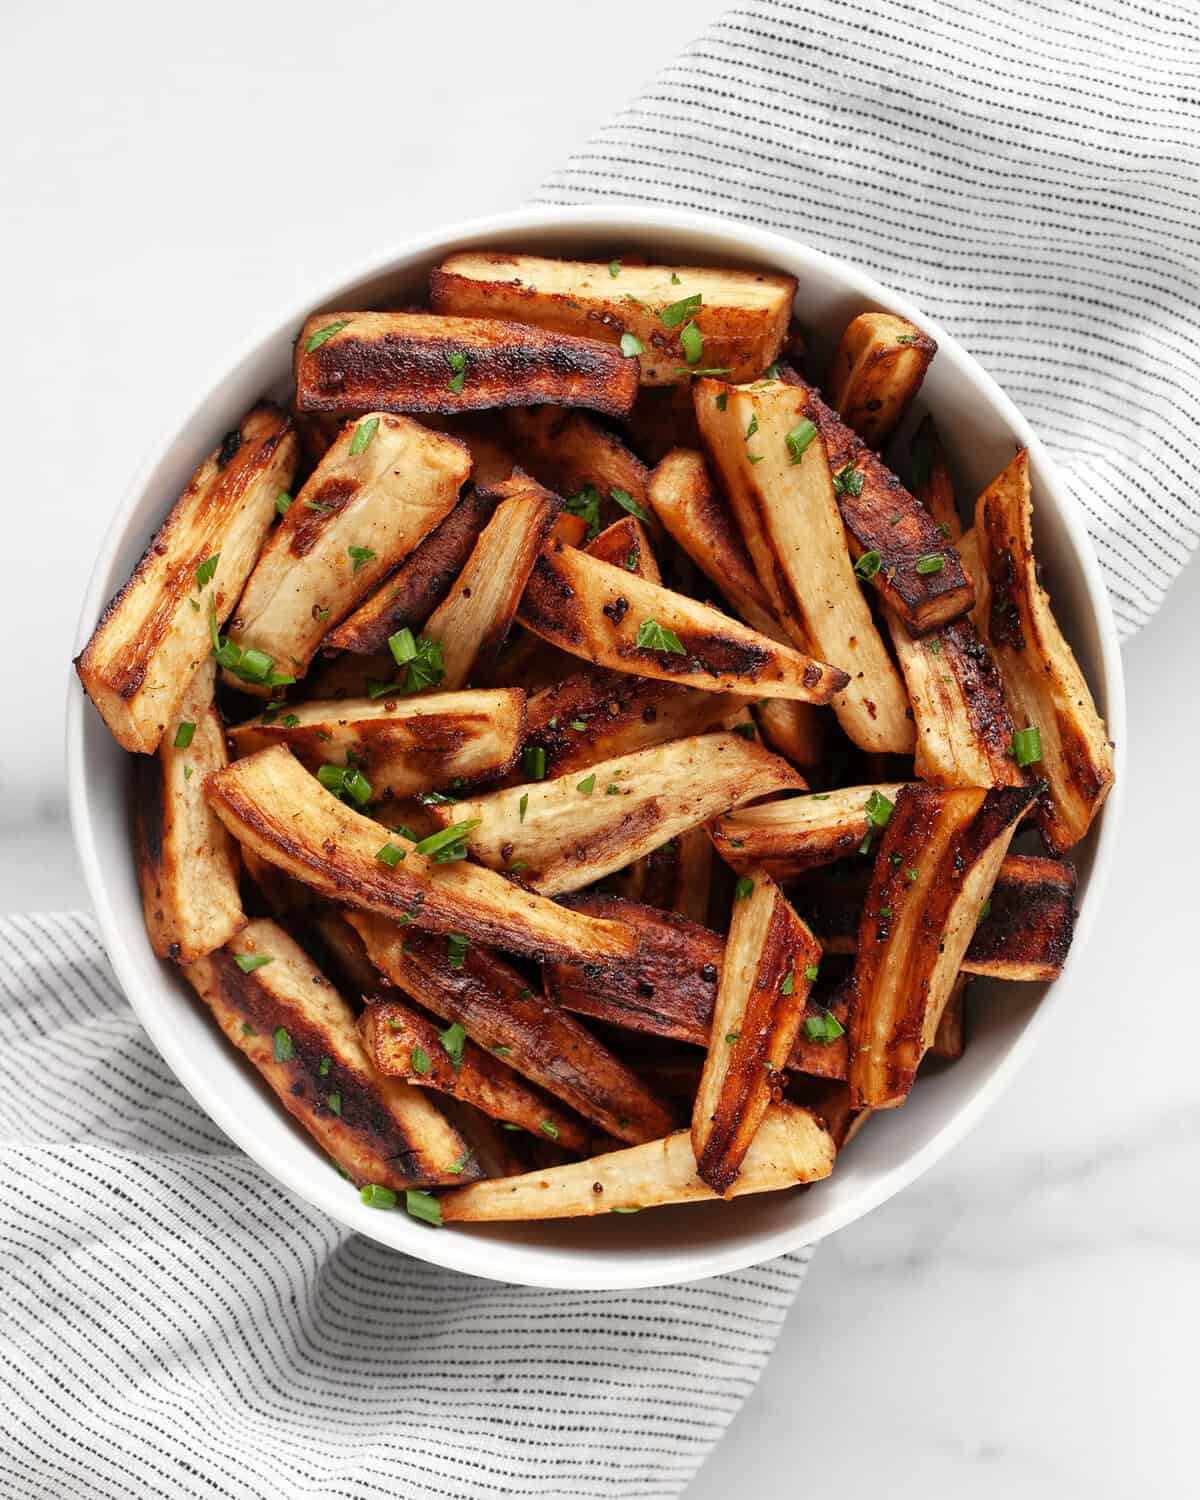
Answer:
[(1029, 173), (172, 1322)]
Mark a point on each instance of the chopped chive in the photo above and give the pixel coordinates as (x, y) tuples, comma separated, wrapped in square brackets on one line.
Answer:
[(533, 762), (375, 1195), (810, 973), (732, 1036), (206, 569), (419, 1059), (458, 1166), (283, 502), (334, 1102), (747, 731), (799, 438), (744, 887), (248, 1030), (322, 335), (823, 1028), (614, 268), (248, 962), (848, 481), (316, 505), (752, 426), (722, 400), (364, 435), (868, 565), (183, 735), (548, 1127), (932, 562), (1026, 747), (789, 983), (448, 844), (624, 1210), (324, 1066), (423, 1206), (390, 854), (360, 557), (691, 341), (523, 805)]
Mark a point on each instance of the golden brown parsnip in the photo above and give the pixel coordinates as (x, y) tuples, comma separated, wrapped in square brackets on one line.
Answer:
[(187, 864), (421, 582), (419, 362), (497, 1008), (742, 315), (774, 469), (402, 745), (794, 834), (932, 483), (597, 612), (382, 486), (1042, 679), (291, 1023), (153, 636), (769, 956), (471, 623), (569, 450), (791, 1147), (625, 544), (568, 832), (402, 1043), (676, 877), (877, 370), (270, 802)]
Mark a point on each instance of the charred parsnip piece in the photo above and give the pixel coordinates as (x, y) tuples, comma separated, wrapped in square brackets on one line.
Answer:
[(662, 418), (496, 1008), (382, 486), (949, 1039), (683, 499), (964, 733), (421, 582), (344, 951), (402, 745), (669, 988), (571, 454), (677, 876), (566, 833), (1024, 934), (741, 316), (187, 864), (625, 544), (402, 1043), (288, 1020), (269, 802), (921, 910), (877, 370), (1046, 690), (791, 1147), (771, 960), (474, 618), (912, 565), (766, 448), (615, 619), (932, 484), (797, 833), (154, 634), (419, 362)]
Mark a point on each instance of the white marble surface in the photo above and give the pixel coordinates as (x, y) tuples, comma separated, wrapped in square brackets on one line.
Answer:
[(1021, 1322)]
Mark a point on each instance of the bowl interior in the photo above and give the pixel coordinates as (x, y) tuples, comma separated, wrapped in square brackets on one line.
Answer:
[(981, 429)]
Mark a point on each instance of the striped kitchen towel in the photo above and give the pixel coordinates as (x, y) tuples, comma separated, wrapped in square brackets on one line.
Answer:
[(172, 1323), (1028, 172)]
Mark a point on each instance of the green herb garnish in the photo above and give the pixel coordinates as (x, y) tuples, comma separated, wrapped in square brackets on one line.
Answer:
[(322, 335), (248, 962), (183, 735), (651, 636)]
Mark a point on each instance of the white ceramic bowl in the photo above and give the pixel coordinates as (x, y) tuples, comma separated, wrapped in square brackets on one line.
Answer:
[(981, 427)]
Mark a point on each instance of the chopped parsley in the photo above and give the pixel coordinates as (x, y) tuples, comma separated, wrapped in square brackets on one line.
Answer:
[(586, 505), (678, 312), (752, 426), (868, 565), (587, 785), (364, 436), (283, 502), (722, 400), (691, 341), (323, 335), (360, 557), (334, 1102), (282, 1045), (626, 501), (453, 1040), (631, 344), (848, 481), (420, 658), (878, 809), (789, 983), (183, 735), (458, 372), (744, 887), (248, 962), (824, 1027), (456, 950), (651, 636), (206, 569), (810, 973), (419, 1059)]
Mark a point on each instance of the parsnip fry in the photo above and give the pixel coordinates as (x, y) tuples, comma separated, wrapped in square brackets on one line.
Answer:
[(625, 544), (795, 834), (290, 1022), (741, 315), (922, 907), (677, 876), (402, 745), (765, 979), (382, 486), (964, 733), (154, 634), (270, 802), (472, 621), (419, 362), (662, 418), (877, 370), (764, 443), (601, 613), (949, 1039), (402, 1043), (421, 582), (791, 1147), (1042, 679), (566, 833), (187, 864), (496, 1008), (568, 451), (932, 483)]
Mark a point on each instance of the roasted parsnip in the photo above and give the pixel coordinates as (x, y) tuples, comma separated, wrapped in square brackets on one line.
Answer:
[(964, 733), (155, 633), (615, 619), (765, 447), (421, 582), (402, 745), (402, 1043), (187, 864), (568, 832), (913, 567), (418, 362), (280, 1011), (473, 620), (791, 1146), (270, 802), (795, 834), (496, 1008), (662, 418), (770, 961), (932, 483), (877, 370), (677, 876), (571, 454), (382, 486), (742, 316), (949, 1039), (921, 910), (625, 544), (1047, 693)]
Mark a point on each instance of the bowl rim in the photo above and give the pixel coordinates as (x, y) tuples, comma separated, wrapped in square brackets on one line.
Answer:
[(552, 1267)]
